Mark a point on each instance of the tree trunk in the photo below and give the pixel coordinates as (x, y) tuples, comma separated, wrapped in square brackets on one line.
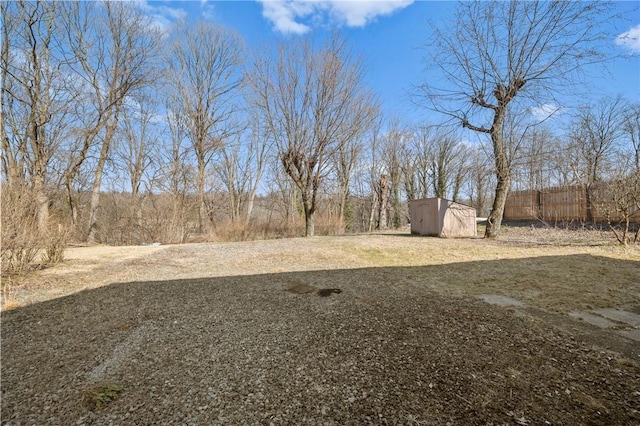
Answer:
[(309, 224), (341, 210), (503, 176), (383, 201), (202, 206), (42, 205), (134, 219), (372, 214), (309, 218), (494, 221), (97, 182), (94, 203), (249, 206), (589, 202), (457, 185)]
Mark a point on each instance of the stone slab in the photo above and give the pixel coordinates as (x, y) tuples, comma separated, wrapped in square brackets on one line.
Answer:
[(625, 317), (592, 319), (494, 299)]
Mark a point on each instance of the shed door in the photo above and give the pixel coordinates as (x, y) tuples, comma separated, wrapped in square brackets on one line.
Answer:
[(429, 214)]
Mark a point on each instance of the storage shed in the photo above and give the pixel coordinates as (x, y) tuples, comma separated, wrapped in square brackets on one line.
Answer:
[(442, 218)]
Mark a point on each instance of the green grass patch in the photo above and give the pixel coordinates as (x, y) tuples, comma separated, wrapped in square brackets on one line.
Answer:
[(102, 395)]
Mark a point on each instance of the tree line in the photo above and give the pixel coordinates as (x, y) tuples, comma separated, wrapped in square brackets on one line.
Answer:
[(115, 130)]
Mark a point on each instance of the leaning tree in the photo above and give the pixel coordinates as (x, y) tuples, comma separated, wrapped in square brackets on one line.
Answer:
[(498, 58)]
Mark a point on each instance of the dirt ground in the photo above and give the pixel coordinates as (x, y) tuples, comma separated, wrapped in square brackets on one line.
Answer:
[(363, 329)]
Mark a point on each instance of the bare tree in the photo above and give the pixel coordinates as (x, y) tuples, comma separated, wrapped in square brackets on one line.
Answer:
[(178, 177), (479, 181), (12, 146), (313, 102), (618, 201), (368, 179), (446, 165), (495, 52), (114, 45), (596, 129), (35, 102), (631, 126), (345, 161), (434, 162), (564, 162), (203, 68), (393, 153), (136, 152), (284, 192), (422, 152), (241, 166), (532, 167)]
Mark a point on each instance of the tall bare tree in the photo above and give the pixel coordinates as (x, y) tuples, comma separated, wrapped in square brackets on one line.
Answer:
[(241, 166), (446, 165), (283, 192), (345, 161), (479, 181), (393, 153), (631, 127), (35, 103), (532, 167), (368, 179), (422, 152), (178, 176), (114, 44), (596, 130), (204, 70), (314, 101), (494, 53), (136, 152)]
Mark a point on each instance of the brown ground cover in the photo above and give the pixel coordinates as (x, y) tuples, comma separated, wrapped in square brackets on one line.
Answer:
[(242, 333)]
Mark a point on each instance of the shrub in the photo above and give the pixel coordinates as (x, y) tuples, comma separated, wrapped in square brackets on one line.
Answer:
[(55, 245), (20, 240)]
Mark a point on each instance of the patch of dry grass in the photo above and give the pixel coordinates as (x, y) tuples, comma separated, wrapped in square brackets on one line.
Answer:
[(554, 269), (561, 276)]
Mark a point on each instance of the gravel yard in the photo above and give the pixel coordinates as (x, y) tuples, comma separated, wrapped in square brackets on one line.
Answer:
[(241, 333)]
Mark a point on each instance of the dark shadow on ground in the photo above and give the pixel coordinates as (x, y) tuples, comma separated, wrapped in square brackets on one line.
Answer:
[(391, 348)]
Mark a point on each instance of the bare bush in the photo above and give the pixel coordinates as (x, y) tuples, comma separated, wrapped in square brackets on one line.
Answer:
[(55, 245), (20, 237), (268, 229), (24, 247), (619, 203)]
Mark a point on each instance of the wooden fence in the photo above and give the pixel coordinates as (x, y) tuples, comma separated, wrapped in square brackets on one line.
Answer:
[(558, 204)]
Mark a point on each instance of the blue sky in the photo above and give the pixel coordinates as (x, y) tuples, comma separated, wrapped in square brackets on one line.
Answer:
[(389, 35)]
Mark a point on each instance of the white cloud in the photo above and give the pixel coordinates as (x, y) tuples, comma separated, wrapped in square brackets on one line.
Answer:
[(286, 14), (162, 17), (208, 10), (359, 13), (545, 111), (630, 39)]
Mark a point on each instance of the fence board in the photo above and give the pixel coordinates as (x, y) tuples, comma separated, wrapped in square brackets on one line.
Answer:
[(559, 204), (564, 204), (523, 205)]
